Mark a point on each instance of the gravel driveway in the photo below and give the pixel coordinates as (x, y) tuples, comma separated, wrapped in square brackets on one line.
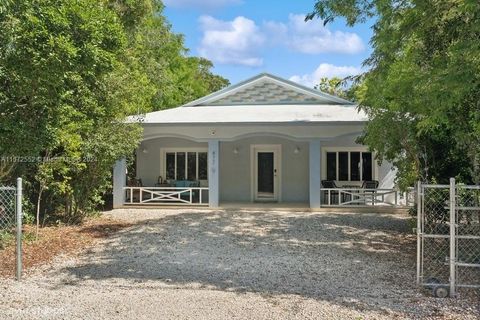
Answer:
[(202, 264)]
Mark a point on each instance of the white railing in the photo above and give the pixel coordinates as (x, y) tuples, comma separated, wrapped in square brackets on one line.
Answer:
[(410, 197), (174, 196), (340, 197)]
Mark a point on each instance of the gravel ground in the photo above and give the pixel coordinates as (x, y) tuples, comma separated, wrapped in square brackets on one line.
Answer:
[(201, 264)]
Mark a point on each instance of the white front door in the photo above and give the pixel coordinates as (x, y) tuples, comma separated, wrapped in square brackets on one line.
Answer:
[(266, 172)]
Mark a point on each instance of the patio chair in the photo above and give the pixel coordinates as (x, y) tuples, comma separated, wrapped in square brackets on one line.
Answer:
[(330, 184), (188, 184), (372, 184)]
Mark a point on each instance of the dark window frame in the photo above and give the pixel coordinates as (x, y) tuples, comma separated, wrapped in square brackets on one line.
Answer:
[(334, 156), (185, 155), (332, 166)]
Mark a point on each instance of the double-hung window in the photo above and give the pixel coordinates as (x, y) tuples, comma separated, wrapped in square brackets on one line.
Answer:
[(349, 165), (185, 164)]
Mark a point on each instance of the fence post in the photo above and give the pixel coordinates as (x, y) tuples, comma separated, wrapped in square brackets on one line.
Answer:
[(452, 237), (419, 231), (19, 228)]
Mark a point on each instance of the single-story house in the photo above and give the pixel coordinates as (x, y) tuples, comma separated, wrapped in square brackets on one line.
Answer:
[(265, 139)]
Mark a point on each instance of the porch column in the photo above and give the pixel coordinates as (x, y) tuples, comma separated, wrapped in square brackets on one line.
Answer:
[(119, 181), (213, 173), (315, 165)]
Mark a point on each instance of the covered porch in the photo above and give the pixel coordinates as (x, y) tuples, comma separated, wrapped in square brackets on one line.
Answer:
[(259, 170)]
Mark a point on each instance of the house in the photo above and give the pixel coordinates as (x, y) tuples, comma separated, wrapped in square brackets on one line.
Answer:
[(265, 139)]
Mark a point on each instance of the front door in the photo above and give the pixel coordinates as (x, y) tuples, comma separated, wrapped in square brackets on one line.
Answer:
[(266, 173)]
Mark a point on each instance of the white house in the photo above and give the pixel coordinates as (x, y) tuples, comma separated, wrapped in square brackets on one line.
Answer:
[(265, 139)]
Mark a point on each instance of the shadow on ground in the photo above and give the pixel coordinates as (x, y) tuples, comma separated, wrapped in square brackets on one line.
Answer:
[(361, 260)]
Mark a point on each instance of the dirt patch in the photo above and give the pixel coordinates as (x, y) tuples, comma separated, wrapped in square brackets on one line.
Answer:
[(56, 240)]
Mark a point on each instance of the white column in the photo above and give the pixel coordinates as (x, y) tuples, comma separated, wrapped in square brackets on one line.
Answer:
[(213, 173), (315, 165), (119, 181)]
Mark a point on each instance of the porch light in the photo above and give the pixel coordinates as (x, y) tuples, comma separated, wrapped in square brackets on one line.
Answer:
[(297, 150), (235, 150), (145, 150)]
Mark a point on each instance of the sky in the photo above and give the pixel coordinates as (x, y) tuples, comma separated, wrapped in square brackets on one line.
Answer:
[(246, 37)]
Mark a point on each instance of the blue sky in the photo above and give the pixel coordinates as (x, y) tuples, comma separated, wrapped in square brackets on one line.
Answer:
[(246, 37)]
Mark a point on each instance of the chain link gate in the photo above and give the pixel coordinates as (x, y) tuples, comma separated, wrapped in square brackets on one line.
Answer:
[(11, 219), (448, 237)]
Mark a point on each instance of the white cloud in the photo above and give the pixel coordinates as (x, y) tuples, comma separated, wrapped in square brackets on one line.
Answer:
[(240, 41), (312, 37), (325, 70), (209, 4), (231, 42)]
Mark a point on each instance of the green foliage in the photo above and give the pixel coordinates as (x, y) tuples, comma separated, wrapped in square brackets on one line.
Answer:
[(347, 88), (422, 90), (334, 86), (162, 58), (6, 238), (71, 72)]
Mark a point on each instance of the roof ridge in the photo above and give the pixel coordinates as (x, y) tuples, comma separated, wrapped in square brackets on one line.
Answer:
[(288, 84)]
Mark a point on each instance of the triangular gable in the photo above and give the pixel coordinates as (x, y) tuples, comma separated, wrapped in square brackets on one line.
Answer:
[(266, 89)]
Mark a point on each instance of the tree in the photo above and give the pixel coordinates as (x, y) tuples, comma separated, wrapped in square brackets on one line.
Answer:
[(422, 88), (71, 72), (163, 58), (58, 95), (334, 86)]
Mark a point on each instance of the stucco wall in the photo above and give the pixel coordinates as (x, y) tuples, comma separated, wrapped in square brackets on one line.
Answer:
[(235, 169), (235, 131), (148, 163)]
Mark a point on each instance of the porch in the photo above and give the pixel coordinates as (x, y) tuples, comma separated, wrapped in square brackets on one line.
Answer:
[(260, 171)]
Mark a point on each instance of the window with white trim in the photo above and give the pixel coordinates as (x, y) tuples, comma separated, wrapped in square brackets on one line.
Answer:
[(186, 165), (349, 165)]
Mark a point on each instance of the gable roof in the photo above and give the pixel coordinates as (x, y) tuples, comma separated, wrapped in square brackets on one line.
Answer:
[(264, 99), (267, 89)]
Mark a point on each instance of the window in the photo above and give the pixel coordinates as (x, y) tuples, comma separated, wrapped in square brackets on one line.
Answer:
[(192, 166), (349, 166), (355, 166), (342, 166), (367, 166), (180, 166), (331, 166), (170, 164), (202, 166), (186, 165)]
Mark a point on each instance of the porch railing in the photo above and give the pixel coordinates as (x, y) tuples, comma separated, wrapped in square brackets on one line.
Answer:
[(187, 196), (342, 197), (410, 197)]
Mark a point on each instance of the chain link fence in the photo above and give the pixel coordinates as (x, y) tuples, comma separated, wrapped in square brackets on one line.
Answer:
[(448, 234), (467, 246), (11, 220), (7, 208)]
